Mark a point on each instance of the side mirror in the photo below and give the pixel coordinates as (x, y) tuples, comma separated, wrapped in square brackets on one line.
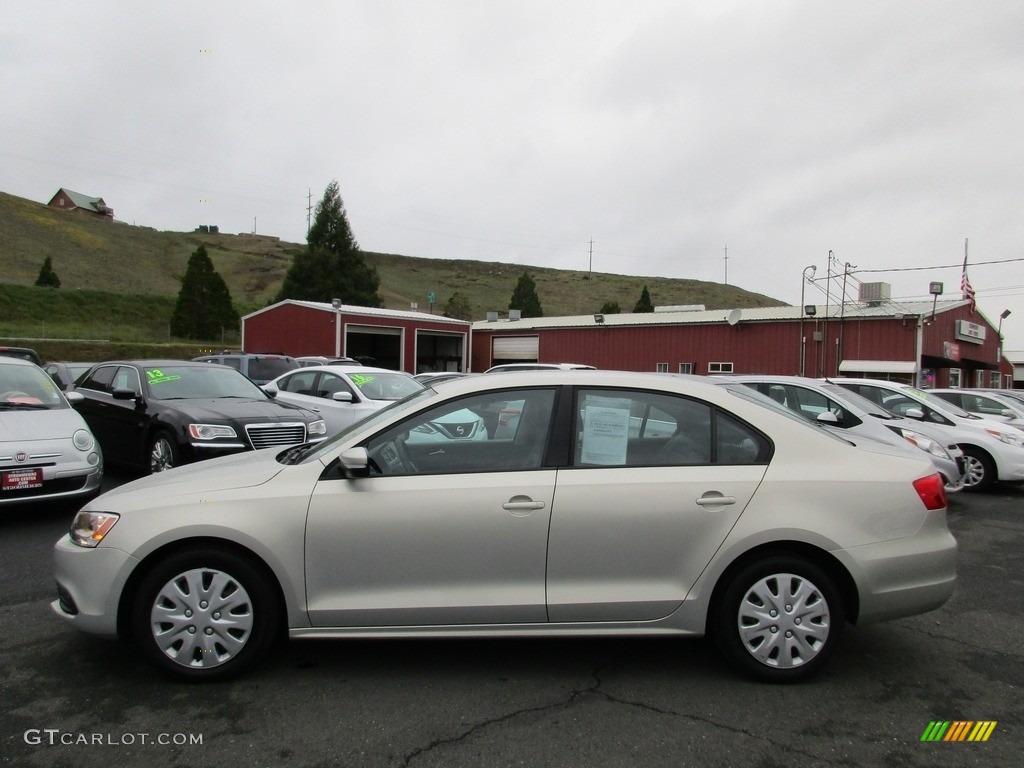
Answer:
[(1008, 413), (827, 417), (74, 397), (915, 413), (124, 394), (270, 389), (355, 462), (342, 397)]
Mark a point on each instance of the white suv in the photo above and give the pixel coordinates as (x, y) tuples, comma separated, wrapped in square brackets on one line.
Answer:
[(992, 450)]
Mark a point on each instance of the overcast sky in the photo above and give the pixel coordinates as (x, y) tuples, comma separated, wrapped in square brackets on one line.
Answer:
[(888, 132)]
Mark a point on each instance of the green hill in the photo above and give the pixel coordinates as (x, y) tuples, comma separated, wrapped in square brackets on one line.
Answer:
[(119, 282)]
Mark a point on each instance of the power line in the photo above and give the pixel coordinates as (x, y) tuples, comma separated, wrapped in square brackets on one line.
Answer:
[(958, 265)]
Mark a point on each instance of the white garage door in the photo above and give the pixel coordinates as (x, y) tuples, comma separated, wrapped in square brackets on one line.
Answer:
[(515, 348)]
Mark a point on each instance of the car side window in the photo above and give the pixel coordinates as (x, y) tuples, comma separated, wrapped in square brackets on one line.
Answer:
[(329, 384), (488, 432), (649, 429), (300, 383), (100, 380), (127, 378)]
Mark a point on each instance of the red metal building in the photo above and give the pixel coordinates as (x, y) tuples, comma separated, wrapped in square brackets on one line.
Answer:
[(402, 341), (933, 344)]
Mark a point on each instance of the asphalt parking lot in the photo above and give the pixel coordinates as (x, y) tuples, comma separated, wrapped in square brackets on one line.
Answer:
[(71, 700)]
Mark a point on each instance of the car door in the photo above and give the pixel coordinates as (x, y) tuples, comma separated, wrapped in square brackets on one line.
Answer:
[(442, 531), (117, 424), (639, 515)]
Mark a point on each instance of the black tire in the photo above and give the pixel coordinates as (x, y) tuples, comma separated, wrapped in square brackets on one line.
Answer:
[(163, 453), (797, 640), (206, 614), (979, 469)]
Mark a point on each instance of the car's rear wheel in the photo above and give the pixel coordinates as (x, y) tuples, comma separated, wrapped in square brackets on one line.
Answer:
[(206, 614), (979, 470), (779, 619), (163, 452)]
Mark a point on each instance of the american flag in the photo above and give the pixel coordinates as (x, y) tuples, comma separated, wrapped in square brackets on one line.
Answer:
[(965, 285)]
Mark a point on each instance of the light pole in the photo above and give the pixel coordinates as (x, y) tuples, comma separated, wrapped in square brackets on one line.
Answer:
[(336, 303), (808, 273), (999, 333)]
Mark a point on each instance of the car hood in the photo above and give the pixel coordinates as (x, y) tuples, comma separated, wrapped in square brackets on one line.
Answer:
[(25, 426), (242, 470), (247, 410)]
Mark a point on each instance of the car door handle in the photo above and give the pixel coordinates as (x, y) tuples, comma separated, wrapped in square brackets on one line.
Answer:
[(522, 505), (715, 499)]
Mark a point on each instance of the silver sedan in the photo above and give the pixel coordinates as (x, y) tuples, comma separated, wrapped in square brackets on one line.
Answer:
[(600, 502)]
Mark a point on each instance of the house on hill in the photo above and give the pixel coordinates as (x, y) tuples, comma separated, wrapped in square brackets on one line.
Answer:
[(67, 200)]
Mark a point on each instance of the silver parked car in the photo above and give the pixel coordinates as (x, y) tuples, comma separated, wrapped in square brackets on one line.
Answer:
[(993, 450), (342, 394), (854, 416), (46, 450), (742, 521)]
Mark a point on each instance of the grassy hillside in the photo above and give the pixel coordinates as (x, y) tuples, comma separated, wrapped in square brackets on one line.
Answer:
[(119, 282)]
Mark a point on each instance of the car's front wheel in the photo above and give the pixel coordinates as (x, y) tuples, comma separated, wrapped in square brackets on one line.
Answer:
[(779, 619), (163, 452), (979, 470), (206, 614)]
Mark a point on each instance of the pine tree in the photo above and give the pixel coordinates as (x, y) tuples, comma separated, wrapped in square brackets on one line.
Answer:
[(203, 309), (331, 266), (458, 307), (524, 297), (610, 308), (47, 277), (644, 304)]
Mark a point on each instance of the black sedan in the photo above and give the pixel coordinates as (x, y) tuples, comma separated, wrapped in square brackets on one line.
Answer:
[(157, 414)]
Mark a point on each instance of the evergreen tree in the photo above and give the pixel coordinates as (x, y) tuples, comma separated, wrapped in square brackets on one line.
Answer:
[(644, 303), (524, 297), (204, 307), (610, 308), (331, 266), (47, 277), (458, 307)]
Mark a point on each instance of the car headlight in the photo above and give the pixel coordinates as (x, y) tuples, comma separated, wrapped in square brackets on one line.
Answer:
[(925, 443), (317, 428), (89, 528), (1007, 437), (210, 431), (83, 440)]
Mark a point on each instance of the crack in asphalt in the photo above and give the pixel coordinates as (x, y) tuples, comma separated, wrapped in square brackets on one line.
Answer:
[(595, 689)]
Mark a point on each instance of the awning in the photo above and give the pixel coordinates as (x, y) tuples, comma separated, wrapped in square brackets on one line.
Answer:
[(878, 366)]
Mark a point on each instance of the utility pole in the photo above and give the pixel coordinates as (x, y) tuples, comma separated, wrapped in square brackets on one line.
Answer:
[(309, 209), (590, 269), (726, 264)]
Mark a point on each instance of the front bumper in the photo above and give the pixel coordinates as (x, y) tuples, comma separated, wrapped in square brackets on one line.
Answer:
[(89, 585)]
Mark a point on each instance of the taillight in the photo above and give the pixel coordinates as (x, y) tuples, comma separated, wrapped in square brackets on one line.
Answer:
[(932, 491)]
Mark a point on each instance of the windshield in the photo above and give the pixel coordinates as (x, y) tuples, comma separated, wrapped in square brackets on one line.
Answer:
[(28, 387), (853, 398), (199, 382), (385, 386), (937, 402), (317, 450)]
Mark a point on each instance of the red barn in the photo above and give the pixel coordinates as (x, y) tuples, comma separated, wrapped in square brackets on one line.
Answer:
[(950, 345), (403, 341)]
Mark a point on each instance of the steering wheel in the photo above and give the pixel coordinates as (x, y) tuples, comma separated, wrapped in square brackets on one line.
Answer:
[(392, 458)]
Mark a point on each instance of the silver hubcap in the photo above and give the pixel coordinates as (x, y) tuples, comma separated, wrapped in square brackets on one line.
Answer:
[(161, 458), (783, 620), (974, 471), (201, 618)]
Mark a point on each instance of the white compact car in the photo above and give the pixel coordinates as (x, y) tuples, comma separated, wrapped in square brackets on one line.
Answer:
[(46, 450), (584, 514), (993, 451), (855, 416)]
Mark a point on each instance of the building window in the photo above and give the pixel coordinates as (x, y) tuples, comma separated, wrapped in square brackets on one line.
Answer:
[(993, 380), (954, 378), (661, 368), (979, 378), (1008, 381), (61, 201), (719, 367), (686, 367)]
